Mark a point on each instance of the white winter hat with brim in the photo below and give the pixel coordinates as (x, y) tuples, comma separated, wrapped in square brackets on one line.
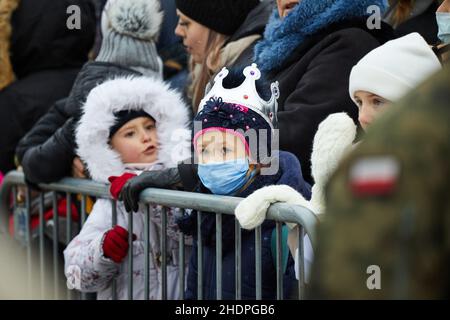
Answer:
[(395, 68)]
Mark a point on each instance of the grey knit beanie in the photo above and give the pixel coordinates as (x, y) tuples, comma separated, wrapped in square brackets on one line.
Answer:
[(130, 29)]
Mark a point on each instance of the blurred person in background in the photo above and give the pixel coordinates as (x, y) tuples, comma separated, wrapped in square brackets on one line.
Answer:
[(47, 152), (45, 56), (213, 36), (408, 16), (386, 232)]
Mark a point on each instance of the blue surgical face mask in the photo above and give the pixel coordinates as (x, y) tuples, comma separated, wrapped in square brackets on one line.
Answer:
[(224, 178), (443, 21)]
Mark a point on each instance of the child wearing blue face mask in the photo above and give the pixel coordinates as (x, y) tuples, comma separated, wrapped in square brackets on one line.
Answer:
[(233, 139)]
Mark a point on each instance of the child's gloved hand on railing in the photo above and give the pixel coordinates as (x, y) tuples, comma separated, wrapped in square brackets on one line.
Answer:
[(117, 183), (165, 178)]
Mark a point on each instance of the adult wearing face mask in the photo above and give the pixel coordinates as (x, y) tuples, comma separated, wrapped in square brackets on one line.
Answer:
[(443, 20)]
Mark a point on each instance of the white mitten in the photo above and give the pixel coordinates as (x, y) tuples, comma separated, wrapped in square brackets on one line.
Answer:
[(333, 140), (251, 211)]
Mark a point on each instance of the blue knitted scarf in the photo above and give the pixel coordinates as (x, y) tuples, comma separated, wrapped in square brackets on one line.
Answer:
[(283, 36)]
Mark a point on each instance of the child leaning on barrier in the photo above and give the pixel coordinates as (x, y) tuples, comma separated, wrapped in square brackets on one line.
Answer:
[(127, 127), (237, 152), (233, 134)]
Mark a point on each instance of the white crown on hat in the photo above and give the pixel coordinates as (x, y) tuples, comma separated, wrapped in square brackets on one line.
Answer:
[(246, 94)]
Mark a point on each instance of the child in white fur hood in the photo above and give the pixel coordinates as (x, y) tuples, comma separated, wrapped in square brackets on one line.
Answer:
[(380, 78), (128, 125)]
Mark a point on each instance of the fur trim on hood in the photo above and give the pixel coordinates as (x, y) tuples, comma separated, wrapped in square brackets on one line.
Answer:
[(154, 97)]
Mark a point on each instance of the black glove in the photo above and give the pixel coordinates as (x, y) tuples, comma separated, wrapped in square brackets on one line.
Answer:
[(164, 179)]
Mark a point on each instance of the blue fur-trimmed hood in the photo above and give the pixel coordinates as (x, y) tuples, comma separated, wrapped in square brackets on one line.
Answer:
[(283, 36)]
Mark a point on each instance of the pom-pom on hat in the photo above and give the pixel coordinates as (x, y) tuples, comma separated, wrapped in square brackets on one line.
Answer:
[(130, 29)]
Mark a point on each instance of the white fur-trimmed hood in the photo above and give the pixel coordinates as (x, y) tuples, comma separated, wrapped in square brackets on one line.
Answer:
[(131, 93)]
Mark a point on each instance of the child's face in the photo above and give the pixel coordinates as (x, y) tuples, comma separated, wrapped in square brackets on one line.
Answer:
[(218, 146), (370, 107), (136, 141)]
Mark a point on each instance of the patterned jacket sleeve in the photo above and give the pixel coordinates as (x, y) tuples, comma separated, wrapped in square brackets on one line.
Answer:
[(86, 268)]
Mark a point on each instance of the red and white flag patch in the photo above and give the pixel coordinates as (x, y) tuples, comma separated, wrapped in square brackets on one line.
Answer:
[(374, 176)]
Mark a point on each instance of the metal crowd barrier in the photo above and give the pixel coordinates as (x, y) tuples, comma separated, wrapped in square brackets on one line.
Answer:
[(203, 203)]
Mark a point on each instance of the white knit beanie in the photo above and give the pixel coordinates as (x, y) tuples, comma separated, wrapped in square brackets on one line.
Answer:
[(130, 29), (395, 68)]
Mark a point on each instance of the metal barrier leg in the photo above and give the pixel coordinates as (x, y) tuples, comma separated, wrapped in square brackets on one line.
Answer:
[(114, 222), (82, 220), (28, 242), (69, 231), (301, 263), (14, 205), (258, 262), (55, 245), (199, 257), (218, 256), (147, 254), (279, 262), (238, 277), (130, 256), (164, 253), (181, 263), (41, 244)]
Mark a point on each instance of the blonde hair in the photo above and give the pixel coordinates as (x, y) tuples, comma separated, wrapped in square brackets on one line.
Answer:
[(402, 11), (202, 73)]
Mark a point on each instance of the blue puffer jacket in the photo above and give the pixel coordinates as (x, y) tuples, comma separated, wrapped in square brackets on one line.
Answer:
[(289, 174)]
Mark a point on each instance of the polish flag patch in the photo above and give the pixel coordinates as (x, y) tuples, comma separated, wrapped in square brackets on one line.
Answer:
[(374, 176)]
